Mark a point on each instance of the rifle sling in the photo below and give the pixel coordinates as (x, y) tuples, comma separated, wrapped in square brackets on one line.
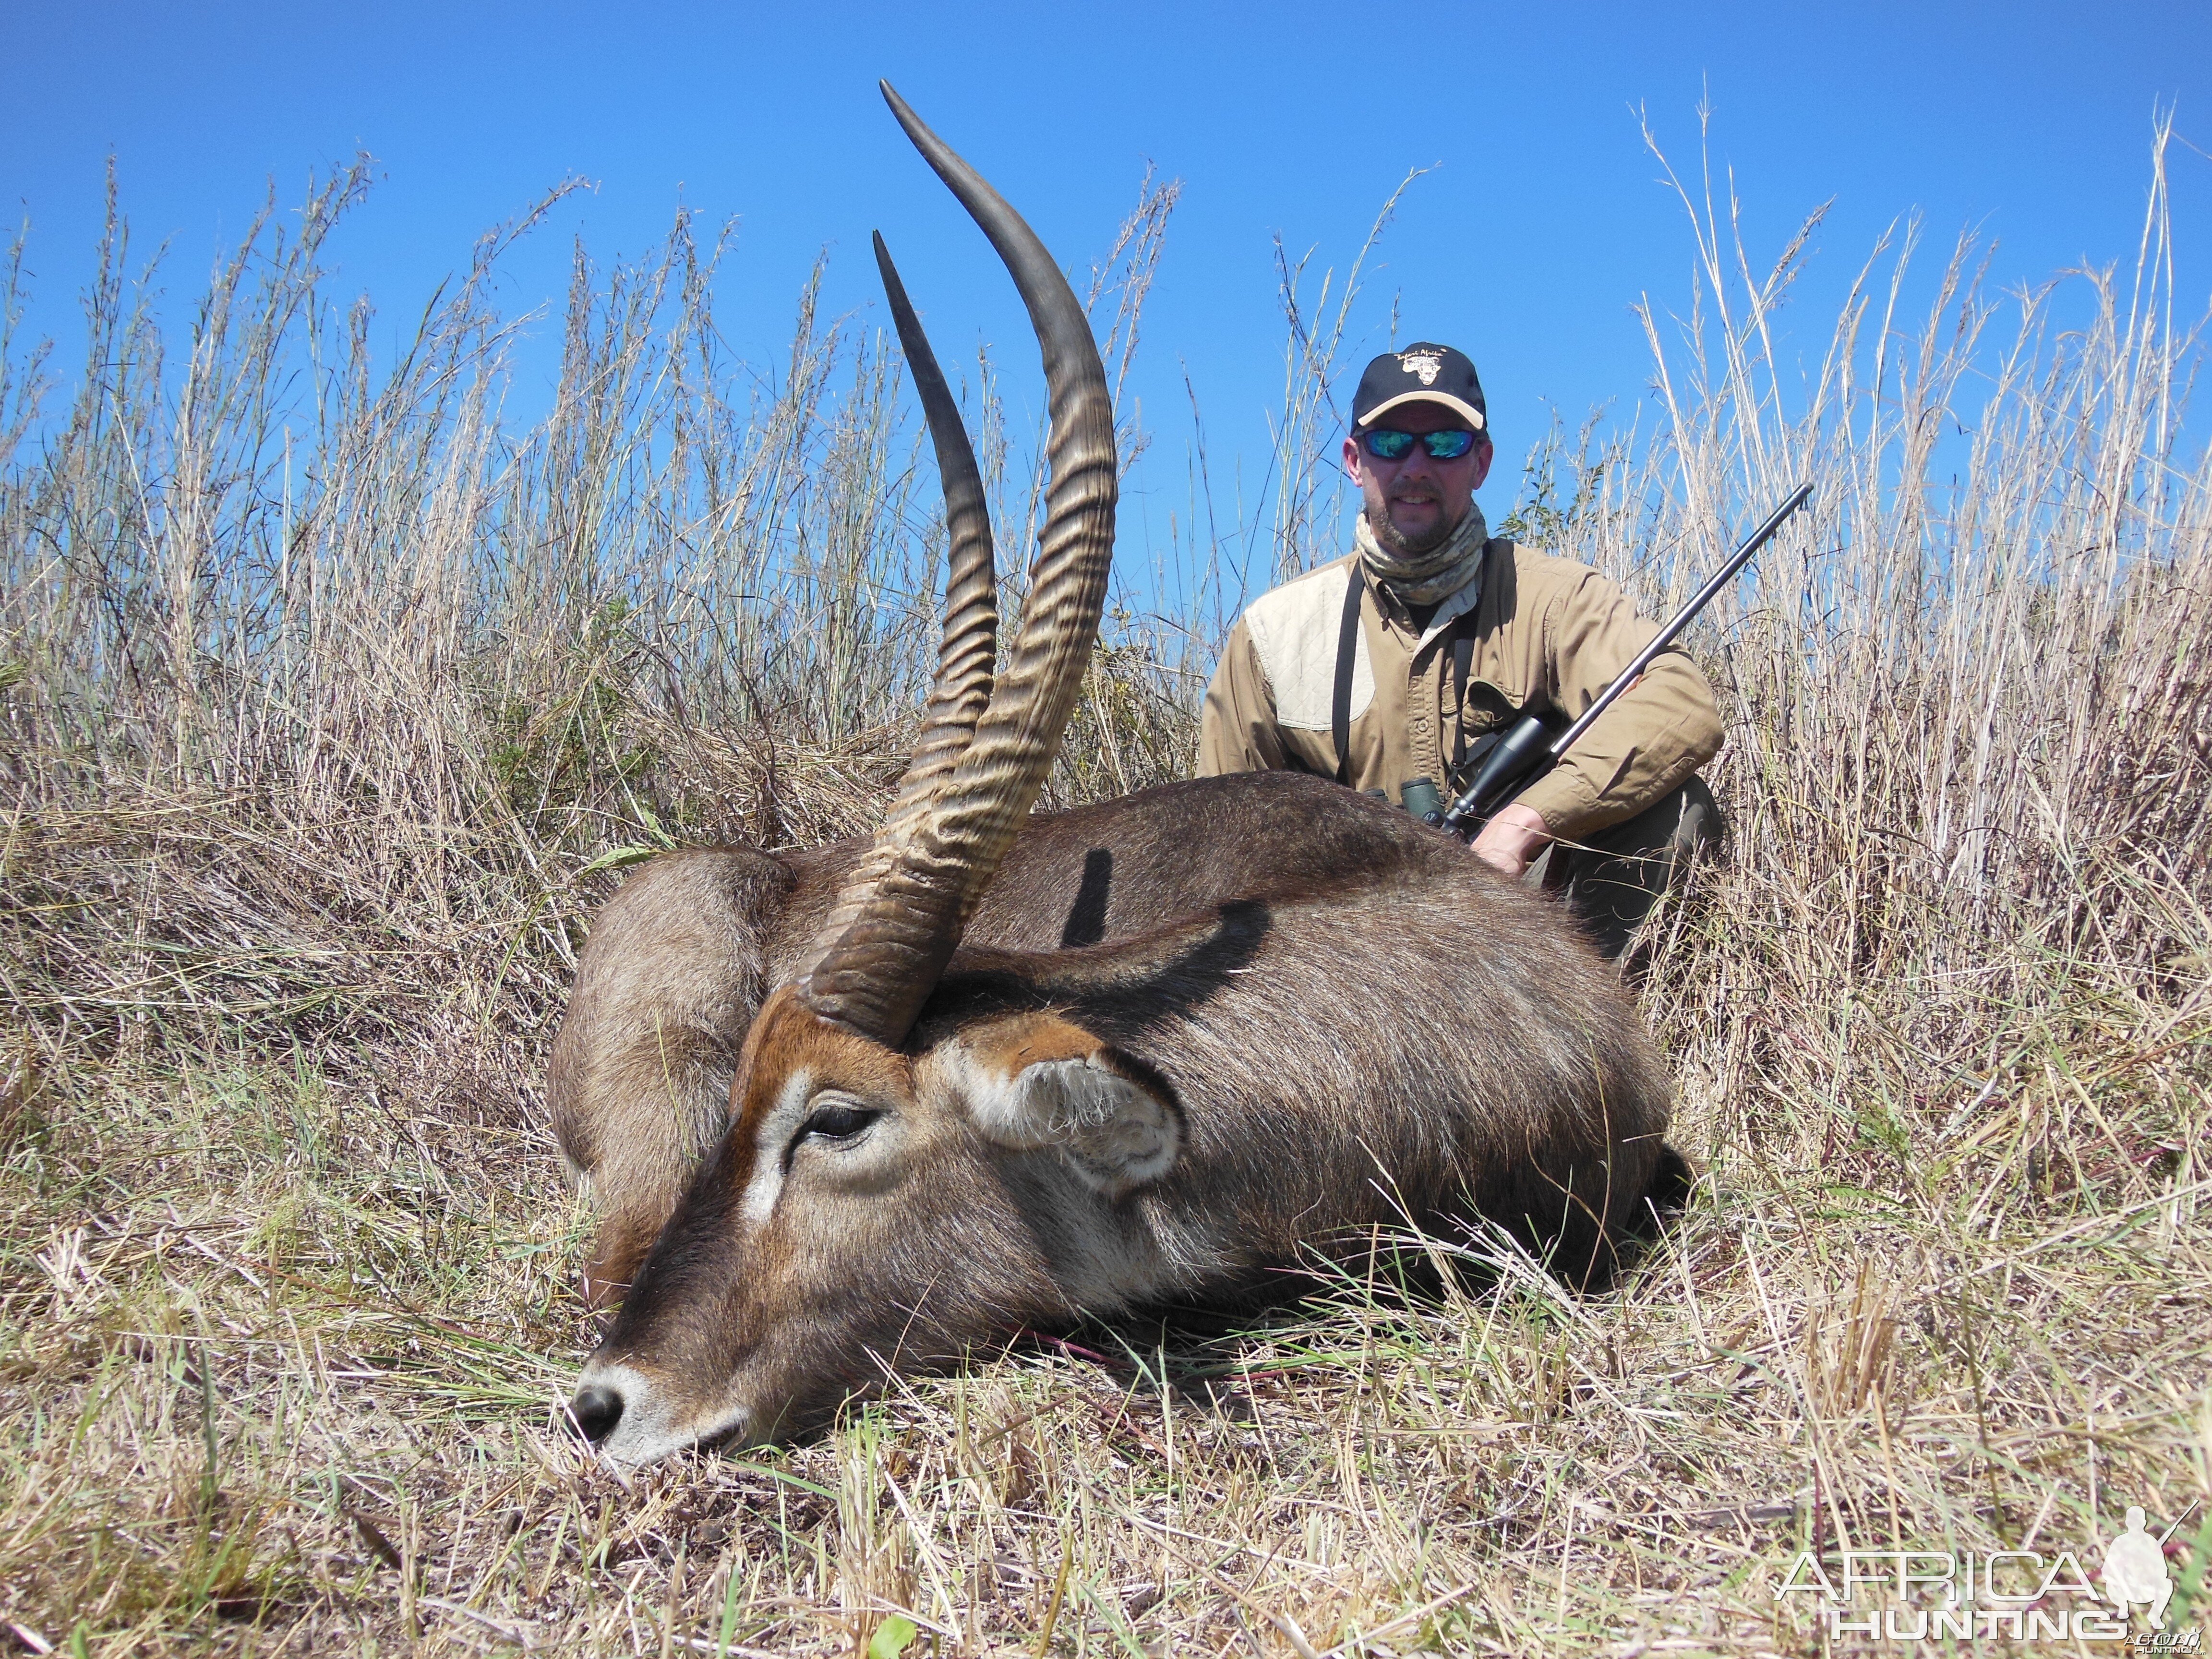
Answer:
[(1348, 653), (1462, 665)]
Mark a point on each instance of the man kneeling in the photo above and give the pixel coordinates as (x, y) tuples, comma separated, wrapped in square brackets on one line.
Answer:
[(1388, 668)]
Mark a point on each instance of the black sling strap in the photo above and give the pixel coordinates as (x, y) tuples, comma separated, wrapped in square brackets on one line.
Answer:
[(1463, 662), (1347, 653), (1462, 665)]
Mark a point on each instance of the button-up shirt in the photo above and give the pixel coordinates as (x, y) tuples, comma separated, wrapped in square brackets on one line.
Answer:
[(1546, 636)]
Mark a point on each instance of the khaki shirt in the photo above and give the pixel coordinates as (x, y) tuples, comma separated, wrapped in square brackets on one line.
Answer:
[(1549, 634)]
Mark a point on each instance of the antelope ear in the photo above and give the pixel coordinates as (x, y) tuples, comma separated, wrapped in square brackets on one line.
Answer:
[(1038, 1081)]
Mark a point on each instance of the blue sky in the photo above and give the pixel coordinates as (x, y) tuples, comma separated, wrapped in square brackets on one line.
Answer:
[(1542, 224)]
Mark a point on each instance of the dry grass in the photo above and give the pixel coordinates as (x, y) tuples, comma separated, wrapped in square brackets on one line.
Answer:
[(329, 701)]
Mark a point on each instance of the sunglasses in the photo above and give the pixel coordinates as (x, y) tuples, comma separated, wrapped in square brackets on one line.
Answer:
[(1386, 445)]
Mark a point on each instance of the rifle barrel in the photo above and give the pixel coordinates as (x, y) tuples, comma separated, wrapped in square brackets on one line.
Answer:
[(1682, 618)]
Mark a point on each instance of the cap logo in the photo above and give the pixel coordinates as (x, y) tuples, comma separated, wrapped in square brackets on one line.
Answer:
[(1426, 364)]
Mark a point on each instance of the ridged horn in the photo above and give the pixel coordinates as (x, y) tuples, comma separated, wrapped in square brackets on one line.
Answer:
[(899, 919), (971, 648), (965, 658)]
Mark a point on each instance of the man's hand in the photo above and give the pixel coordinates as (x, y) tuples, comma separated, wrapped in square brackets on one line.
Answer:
[(1512, 840)]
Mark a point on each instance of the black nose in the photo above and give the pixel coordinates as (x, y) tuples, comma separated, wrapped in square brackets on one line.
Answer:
[(595, 1412)]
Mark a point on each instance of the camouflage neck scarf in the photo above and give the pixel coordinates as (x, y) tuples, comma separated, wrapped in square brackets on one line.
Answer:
[(1426, 578)]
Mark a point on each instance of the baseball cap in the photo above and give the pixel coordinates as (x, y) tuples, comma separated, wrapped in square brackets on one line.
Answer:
[(1423, 373)]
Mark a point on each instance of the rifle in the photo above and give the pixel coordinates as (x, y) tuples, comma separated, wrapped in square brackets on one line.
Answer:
[(1516, 758)]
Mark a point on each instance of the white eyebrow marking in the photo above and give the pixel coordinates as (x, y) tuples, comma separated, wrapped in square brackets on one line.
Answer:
[(769, 1139)]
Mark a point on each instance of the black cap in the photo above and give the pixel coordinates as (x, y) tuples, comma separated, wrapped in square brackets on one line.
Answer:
[(1422, 372)]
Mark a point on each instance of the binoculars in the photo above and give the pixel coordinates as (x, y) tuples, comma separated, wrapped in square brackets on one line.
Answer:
[(1418, 796)]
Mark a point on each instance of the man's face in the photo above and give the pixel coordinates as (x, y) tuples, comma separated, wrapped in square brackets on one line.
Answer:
[(1415, 501)]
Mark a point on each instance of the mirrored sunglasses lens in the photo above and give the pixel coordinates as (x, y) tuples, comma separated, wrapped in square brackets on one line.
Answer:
[(1388, 445), (1449, 445)]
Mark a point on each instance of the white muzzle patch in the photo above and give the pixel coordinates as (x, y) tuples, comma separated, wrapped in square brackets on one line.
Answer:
[(649, 1428)]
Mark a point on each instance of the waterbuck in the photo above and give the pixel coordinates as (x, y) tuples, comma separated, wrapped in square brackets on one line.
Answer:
[(866, 1108)]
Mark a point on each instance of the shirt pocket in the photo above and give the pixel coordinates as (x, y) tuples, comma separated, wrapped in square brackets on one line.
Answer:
[(1487, 711), (1487, 706)]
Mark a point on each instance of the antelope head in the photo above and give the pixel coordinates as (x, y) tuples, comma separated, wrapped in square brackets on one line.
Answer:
[(876, 1198)]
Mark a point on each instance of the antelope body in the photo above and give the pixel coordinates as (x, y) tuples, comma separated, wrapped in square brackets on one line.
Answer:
[(862, 1109)]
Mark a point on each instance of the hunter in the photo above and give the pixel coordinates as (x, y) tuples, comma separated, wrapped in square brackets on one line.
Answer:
[(1387, 668)]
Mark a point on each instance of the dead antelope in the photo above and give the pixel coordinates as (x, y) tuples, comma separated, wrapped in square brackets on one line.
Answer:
[(867, 1108)]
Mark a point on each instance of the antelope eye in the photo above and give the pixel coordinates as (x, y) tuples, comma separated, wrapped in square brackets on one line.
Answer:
[(837, 1121)]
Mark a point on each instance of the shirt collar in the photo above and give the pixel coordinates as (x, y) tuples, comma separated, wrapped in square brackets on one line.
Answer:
[(1450, 609)]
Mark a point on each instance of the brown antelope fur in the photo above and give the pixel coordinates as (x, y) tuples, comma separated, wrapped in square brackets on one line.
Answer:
[(1319, 1077), (869, 1109), (677, 962)]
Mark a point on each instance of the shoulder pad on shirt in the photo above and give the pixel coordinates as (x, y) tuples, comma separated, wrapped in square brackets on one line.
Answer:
[(1294, 630), (1544, 573)]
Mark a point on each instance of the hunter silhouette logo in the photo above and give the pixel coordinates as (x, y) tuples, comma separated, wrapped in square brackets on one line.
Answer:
[(2135, 1569), (1426, 364)]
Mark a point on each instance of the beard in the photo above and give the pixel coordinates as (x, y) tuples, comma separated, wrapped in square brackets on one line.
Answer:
[(1388, 536)]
